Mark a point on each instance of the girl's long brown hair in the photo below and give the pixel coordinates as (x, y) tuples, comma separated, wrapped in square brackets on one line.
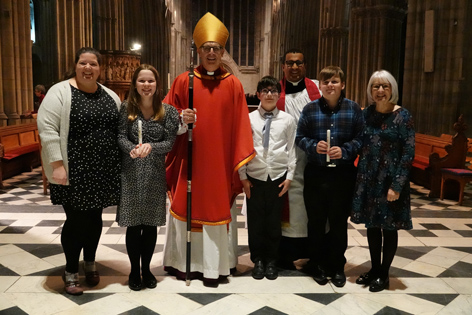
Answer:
[(134, 98)]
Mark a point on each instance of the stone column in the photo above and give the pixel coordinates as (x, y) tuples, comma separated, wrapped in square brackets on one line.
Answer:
[(23, 59), (16, 66), (295, 24), (110, 25), (155, 35), (375, 42), (46, 42), (74, 30), (333, 39), (3, 116)]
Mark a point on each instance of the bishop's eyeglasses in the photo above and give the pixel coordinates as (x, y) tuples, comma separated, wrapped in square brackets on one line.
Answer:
[(216, 49)]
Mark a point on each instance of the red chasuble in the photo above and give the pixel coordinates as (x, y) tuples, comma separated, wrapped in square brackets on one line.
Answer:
[(222, 143)]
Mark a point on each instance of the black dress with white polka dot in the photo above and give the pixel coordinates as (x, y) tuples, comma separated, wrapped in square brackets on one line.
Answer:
[(93, 154)]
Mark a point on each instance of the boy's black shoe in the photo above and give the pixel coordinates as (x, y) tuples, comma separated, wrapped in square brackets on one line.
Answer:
[(320, 276), (259, 270), (339, 279), (271, 271)]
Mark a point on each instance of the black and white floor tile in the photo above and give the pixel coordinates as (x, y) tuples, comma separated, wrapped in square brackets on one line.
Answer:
[(431, 274)]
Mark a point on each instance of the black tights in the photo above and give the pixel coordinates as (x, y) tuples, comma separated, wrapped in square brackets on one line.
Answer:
[(81, 230), (140, 243), (390, 244)]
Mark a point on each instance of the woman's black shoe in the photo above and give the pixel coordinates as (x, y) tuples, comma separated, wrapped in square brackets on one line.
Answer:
[(149, 281), (366, 278), (379, 284), (134, 283)]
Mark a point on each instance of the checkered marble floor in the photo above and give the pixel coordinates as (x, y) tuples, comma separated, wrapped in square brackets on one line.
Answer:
[(431, 274)]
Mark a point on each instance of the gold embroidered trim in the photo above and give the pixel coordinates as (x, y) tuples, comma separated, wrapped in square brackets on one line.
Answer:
[(246, 160)]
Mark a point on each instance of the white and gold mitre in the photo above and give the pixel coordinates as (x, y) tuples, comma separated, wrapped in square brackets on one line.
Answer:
[(210, 29)]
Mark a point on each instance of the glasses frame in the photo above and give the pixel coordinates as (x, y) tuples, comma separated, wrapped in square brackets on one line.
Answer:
[(266, 92), (207, 49), (385, 86), (291, 63)]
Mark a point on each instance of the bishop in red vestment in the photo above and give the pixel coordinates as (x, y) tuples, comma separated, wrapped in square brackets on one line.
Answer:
[(222, 143)]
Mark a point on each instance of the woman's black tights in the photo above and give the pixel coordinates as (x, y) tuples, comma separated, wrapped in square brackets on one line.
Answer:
[(140, 243), (82, 230), (381, 265)]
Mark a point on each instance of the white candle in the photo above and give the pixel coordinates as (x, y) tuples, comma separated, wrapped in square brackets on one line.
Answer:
[(168, 81), (140, 132), (328, 141)]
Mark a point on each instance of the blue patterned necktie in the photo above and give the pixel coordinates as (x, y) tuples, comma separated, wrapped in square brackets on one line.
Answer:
[(266, 130)]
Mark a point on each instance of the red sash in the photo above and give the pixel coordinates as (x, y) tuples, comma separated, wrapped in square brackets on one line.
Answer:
[(311, 88), (313, 94)]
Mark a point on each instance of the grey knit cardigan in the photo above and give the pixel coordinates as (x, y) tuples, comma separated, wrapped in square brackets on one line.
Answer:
[(53, 125)]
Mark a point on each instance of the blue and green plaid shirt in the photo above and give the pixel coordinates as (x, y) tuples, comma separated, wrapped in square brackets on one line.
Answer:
[(345, 122)]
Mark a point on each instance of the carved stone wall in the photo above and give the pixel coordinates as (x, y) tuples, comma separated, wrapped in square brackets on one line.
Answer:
[(378, 38), (117, 70), (437, 97)]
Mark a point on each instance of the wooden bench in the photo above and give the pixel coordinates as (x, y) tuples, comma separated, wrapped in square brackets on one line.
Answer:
[(434, 153), (19, 150)]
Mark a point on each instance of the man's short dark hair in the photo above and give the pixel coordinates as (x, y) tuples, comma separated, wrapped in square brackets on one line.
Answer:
[(268, 81), (292, 51)]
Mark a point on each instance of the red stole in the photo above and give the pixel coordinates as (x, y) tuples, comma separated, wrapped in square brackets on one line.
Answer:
[(313, 94), (311, 88)]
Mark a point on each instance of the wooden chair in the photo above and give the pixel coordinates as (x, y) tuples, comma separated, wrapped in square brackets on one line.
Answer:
[(462, 176)]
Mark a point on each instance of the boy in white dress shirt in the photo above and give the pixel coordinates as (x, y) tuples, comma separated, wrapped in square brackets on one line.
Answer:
[(267, 177)]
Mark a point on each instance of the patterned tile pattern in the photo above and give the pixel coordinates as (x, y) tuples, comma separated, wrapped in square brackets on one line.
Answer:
[(431, 273)]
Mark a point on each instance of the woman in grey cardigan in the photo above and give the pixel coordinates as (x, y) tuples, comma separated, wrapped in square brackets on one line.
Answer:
[(78, 126)]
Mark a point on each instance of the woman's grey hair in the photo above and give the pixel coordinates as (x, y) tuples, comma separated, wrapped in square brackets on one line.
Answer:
[(383, 76), (40, 88)]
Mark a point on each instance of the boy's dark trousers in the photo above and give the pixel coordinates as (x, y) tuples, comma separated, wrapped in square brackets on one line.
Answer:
[(328, 196), (264, 211)]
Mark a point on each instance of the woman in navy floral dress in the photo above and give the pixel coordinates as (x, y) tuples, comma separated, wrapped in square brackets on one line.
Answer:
[(382, 194)]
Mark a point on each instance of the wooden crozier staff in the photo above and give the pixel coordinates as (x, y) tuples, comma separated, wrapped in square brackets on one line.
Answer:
[(191, 74)]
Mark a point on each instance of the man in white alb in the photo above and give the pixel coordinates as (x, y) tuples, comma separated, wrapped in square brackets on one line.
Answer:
[(297, 91)]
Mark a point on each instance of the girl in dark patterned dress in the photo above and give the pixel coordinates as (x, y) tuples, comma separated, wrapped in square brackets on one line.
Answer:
[(142, 206), (382, 195), (78, 127)]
